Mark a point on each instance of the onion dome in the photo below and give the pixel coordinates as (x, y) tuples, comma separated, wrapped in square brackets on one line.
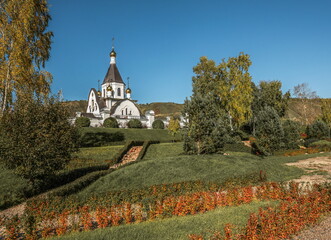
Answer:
[(112, 53), (109, 89), (99, 93), (128, 91)]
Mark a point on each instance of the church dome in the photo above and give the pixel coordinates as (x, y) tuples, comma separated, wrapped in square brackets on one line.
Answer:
[(128, 91), (109, 89), (112, 53), (99, 93)]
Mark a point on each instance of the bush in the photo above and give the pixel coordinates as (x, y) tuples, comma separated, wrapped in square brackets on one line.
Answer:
[(37, 139), (291, 134), (97, 139), (110, 123), (322, 145), (158, 124), (82, 122), (318, 129), (134, 123), (269, 132)]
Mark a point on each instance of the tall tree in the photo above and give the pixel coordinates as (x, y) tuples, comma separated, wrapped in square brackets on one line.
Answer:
[(269, 93), (24, 49), (326, 111), (306, 96), (235, 88)]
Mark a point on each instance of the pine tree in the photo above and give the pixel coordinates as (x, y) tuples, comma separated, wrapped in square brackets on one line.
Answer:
[(24, 49)]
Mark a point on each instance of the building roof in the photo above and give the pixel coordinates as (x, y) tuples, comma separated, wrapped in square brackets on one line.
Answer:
[(113, 75), (113, 108)]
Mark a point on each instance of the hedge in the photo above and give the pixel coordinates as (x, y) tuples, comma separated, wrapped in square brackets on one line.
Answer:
[(97, 139), (236, 147)]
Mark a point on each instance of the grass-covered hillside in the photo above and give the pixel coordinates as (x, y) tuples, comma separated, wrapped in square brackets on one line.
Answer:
[(165, 163)]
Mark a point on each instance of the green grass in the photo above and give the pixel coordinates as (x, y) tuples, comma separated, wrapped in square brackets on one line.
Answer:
[(162, 164), (12, 186), (161, 135), (87, 157), (176, 227)]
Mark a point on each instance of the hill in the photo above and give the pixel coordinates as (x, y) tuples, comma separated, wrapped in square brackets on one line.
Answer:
[(163, 109)]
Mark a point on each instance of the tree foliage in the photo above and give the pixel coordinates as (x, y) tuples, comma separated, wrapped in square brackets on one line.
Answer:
[(269, 131), (318, 130), (110, 123), (24, 49), (36, 138), (326, 111), (291, 134), (269, 93), (173, 126), (235, 88)]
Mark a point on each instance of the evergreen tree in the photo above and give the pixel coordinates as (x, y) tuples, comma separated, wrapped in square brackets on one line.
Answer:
[(269, 131), (24, 49), (291, 134)]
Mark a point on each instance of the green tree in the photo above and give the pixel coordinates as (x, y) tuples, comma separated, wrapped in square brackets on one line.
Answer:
[(291, 134), (317, 129), (158, 124), (173, 127), (36, 138), (269, 93), (24, 49), (110, 123), (235, 88), (269, 131), (206, 125), (326, 111)]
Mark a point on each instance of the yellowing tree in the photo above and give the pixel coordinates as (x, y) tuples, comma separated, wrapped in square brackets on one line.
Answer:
[(235, 88), (173, 127), (326, 111), (24, 49)]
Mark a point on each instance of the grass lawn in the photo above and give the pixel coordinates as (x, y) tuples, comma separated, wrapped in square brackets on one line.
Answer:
[(161, 135), (12, 186), (176, 227), (87, 157), (164, 163)]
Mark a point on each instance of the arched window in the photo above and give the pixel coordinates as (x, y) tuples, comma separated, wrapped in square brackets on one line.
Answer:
[(104, 93), (96, 107), (118, 92), (89, 108), (130, 112), (126, 111), (122, 112)]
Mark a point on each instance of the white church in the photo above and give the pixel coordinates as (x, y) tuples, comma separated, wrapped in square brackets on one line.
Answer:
[(114, 100)]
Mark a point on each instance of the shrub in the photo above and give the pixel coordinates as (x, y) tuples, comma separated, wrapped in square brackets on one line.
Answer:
[(82, 122), (97, 139), (37, 139), (291, 134), (158, 124), (110, 123), (269, 132), (135, 123), (318, 129), (322, 145)]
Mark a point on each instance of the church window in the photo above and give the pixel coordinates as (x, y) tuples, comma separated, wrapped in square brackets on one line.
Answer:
[(96, 107), (130, 112), (104, 93), (118, 92), (122, 112), (126, 111), (90, 108)]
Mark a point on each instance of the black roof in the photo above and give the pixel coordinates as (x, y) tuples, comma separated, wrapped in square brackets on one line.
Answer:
[(113, 75)]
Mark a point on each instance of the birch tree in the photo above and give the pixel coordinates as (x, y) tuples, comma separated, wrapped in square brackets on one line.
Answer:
[(24, 48)]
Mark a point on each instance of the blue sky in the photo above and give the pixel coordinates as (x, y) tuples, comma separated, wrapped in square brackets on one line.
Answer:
[(159, 41)]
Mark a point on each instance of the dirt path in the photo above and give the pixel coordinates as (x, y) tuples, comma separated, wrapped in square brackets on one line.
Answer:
[(319, 170)]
